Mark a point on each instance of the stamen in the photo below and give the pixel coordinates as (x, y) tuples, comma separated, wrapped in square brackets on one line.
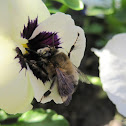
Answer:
[(25, 45)]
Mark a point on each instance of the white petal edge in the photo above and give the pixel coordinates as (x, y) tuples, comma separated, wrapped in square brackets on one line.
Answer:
[(113, 77), (120, 103), (15, 14), (64, 25), (112, 69), (117, 45), (16, 92)]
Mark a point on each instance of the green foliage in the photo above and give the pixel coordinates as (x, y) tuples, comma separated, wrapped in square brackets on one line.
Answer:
[(121, 15), (73, 4), (123, 4), (94, 28), (50, 6), (114, 16), (65, 5), (3, 115), (101, 42), (95, 80), (37, 117), (114, 25), (93, 11), (112, 21)]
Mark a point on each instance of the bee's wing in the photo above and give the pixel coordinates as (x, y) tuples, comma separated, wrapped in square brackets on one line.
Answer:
[(83, 77), (65, 85), (67, 99)]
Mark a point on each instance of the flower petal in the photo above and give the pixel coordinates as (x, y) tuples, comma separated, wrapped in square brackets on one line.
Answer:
[(16, 13), (112, 69), (117, 45), (4, 20), (78, 52), (66, 30), (120, 103), (40, 89), (16, 92)]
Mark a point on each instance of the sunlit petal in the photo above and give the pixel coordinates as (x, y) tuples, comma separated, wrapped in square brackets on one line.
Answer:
[(14, 14), (4, 17), (15, 90)]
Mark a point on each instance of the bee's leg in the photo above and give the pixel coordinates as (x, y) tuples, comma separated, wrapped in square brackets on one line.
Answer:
[(48, 92), (73, 46), (42, 65), (31, 51), (53, 83), (38, 71)]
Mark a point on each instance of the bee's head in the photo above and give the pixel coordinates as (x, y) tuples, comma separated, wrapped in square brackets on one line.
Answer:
[(47, 51)]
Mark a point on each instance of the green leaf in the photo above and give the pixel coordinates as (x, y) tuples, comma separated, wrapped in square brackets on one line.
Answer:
[(3, 115), (33, 116), (37, 117), (63, 8), (53, 10), (95, 80), (41, 117), (123, 4), (73, 4)]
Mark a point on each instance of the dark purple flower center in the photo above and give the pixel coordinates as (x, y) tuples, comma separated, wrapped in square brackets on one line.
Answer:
[(40, 41), (43, 39), (29, 29)]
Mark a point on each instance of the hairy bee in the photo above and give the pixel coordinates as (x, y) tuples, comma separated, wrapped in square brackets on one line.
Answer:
[(47, 64)]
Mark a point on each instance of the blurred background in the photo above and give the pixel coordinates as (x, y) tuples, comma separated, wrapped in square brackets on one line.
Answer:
[(90, 106)]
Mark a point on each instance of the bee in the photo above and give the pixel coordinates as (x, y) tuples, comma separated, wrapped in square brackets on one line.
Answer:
[(49, 63)]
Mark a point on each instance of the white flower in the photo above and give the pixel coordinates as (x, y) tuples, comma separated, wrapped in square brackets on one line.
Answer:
[(22, 22), (112, 67)]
